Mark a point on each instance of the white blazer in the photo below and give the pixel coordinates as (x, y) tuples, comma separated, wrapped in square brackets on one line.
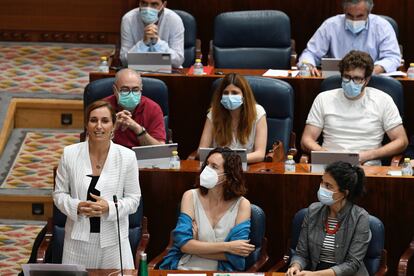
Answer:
[(119, 177)]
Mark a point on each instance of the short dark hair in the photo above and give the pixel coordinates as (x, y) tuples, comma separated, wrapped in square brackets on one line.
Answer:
[(348, 177), (357, 59), (235, 185), (96, 105)]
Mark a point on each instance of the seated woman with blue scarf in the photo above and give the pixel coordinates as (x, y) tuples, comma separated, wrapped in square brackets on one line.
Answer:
[(213, 228)]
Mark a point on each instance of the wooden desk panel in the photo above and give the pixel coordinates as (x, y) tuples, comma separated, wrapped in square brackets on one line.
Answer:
[(189, 100), (281, 196)]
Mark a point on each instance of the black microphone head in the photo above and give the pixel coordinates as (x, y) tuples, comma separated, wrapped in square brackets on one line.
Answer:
[(115, 199)]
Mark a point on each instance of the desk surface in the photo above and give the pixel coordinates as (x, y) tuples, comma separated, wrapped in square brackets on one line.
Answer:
[(208, 273)]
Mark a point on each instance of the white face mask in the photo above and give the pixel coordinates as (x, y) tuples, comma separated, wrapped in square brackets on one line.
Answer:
[(208, 178), (355, 26)]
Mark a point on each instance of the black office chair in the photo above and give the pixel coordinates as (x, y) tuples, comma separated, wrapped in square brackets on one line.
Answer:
[(190, 37), (252, 40), (154, 89), (277, 98), (375, 260)]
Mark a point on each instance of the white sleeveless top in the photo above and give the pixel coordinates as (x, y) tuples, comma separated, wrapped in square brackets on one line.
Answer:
[(207, 233)]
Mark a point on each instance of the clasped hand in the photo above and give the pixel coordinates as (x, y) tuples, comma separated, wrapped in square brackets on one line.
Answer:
[(150, 34), (124, 120), (93, 209)]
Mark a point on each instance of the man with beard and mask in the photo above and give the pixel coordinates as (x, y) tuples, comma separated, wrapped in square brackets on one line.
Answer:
[(355, 117), (356, 29), (139, 120), (153, 28)]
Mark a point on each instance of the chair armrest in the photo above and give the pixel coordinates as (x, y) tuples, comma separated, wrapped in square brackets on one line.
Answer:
[(281, 265), (383, 269), (396, 160), (262, 261), (44, 244), (293, 54), (193, 156), (115, 59), (143, 243), (292, 145), (405, 259), (157, 260), (210, 61), (199, 54)]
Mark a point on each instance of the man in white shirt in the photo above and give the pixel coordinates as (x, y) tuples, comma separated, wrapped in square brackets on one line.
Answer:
[(153, 28), (355, 117)]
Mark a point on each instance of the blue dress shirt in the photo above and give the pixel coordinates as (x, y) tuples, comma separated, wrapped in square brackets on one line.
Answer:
[(334, 39)]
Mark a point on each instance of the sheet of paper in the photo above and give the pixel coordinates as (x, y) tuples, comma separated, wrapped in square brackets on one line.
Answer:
[(394, 173), (395, 74), (51, 267), (280, 73), (190, 274), (238, 274)]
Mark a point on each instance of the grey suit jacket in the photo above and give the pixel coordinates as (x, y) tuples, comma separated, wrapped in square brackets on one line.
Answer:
[(119, 177)]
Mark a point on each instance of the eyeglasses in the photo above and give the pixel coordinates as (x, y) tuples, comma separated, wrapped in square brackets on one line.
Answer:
[(125, 91), (356, 80)]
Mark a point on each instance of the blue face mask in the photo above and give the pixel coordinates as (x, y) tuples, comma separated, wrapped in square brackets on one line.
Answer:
[(351, 89), (231, 102), (325, 196), (130, 101), (149, 15), (355, 26)]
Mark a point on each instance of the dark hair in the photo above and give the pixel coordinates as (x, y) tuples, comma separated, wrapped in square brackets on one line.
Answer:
[(348, 177), (235, 185), (370, 3), (357, 59), (96, 105)]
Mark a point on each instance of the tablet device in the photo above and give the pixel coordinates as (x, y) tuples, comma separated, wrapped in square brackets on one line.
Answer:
[(203, 153), (151, 62), (154, 156), (320, 159)]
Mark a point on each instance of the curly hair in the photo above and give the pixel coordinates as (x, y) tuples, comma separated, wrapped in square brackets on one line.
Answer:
[(234, 186), (348, 177), (221, 118), (357, 59)]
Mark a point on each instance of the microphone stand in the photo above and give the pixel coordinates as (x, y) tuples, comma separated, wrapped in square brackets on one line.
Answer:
[(119, 233)]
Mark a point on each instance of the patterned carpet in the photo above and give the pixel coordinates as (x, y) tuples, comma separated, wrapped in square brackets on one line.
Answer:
[(16, 243), (44, 67), (38, 155)]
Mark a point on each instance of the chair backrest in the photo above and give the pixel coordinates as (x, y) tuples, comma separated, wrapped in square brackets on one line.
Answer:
[(190, 37), (257, 233), (154, 89), (386, 84), (59, 220), (277, 98), (252, 39), (372, 259), (392, 22)]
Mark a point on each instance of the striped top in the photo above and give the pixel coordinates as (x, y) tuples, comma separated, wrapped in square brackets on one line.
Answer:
[(328, 246)]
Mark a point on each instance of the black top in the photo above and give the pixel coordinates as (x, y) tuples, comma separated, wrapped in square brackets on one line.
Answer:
[(95, 221)]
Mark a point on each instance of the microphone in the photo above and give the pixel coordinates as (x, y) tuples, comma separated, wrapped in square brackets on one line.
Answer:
[(119, 233)]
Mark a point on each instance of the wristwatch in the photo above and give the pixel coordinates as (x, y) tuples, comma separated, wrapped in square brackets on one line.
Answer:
[(143, 131)]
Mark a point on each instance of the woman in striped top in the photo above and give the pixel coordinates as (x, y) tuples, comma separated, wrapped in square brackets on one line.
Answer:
[(335, 232)]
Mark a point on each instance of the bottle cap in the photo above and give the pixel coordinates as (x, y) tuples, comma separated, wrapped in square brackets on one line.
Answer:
[(103, 58), (290, 157), (198, 60), (174, 152), (406, 159), (143, 256)]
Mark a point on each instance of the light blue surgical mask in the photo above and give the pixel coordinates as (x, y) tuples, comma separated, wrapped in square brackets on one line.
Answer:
[(351, 89), (325, 196), (355, 26), (129, 101), (149, 15), (231, 102)]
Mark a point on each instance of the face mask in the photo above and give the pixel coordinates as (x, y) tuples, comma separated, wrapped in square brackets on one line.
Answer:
[(231, 102), (325, 196), (130, 101), (355, 26), (208, 178), (351, 89), (149, 15)]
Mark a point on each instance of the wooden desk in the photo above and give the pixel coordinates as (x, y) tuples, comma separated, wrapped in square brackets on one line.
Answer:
[(209, 273), (106, 272), (190, 96), (280, 196)]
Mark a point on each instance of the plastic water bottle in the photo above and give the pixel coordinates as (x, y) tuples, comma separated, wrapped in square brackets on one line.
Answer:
[(290, 164), (305, 69), (407, 169), (198, 67), (174, 160), (143, 265), (103, 66), (410, 71)]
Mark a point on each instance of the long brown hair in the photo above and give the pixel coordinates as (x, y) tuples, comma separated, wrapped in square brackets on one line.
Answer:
[(222, 129)]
